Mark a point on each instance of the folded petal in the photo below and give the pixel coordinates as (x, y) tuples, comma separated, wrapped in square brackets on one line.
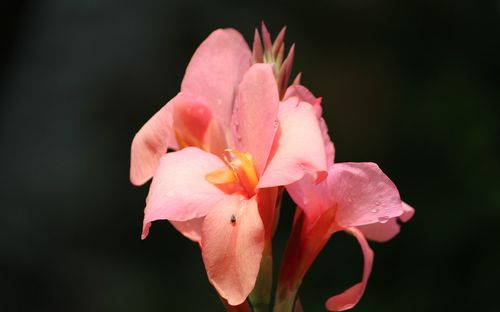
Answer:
[(362, 194), (298, 146), (232, 245), (179, 190), (382, 232), (151, 142), (349, 298), (254, 121), (216, 69), (190, 228)]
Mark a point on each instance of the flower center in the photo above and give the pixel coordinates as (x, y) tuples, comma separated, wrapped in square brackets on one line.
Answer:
[(240, 175)]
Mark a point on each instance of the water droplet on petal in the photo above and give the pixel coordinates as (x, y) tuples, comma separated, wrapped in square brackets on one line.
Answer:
[(377, 203), (374, 210), (276, 123), (383, 219)]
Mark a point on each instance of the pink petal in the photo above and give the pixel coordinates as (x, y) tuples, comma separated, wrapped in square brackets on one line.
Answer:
[(232, 245), (190, 228), (298, 147), (327, 141), (305, 95), (254, 120), (191, 120), (363, 194), (310, 196), (179, 190), (216, 69), (151, 142), (349, 298), (382, 232), (408, 213)]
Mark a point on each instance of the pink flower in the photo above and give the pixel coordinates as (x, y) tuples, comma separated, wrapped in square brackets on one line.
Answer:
[(356, 197), (237, 143)]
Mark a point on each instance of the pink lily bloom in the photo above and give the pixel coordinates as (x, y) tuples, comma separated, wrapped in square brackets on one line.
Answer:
[(238, 142), (357, 198)]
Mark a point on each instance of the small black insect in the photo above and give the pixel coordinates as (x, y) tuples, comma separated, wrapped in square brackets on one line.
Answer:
[(233, 219)]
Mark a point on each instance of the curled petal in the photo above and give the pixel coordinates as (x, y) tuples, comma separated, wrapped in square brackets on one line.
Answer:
[(151, 142), (298, 146), (363, 194), (349, 298), (382, 232), (179, 190), (254, 121), (216, 69), (232, 245)]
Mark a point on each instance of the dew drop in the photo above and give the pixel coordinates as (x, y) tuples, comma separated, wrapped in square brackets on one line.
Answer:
[(383, 219), (377, 203), (276, 123), (374, 210)]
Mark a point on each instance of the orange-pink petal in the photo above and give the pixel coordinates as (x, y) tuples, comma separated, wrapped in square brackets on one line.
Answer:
[(363, 194), (179, 191), (310, 196), (190, 228), (298, 147), (232, 244), (382, 232), (350, 297), (216, 69), (151, 142), (254, 121), (191, 119), (305, 95)]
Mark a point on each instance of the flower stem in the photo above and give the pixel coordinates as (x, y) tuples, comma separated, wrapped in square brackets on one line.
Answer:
[(260, 297), (285, 298)]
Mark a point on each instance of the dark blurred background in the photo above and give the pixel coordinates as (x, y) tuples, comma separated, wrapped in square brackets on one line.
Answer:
[(411, 85)]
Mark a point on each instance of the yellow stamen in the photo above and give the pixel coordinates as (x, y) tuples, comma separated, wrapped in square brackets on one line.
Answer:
[(240, 175), (221, 177), (243, 167)]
